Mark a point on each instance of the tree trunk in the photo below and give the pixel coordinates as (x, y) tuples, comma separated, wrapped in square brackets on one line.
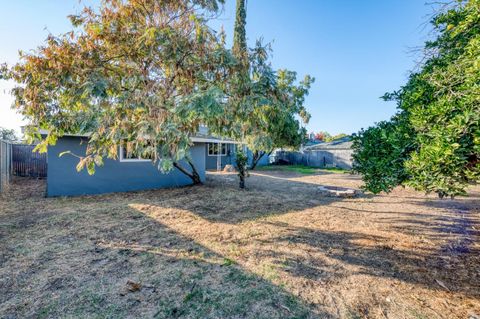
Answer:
[(256, 158), (194, 176), (242, 159), (242, 182)]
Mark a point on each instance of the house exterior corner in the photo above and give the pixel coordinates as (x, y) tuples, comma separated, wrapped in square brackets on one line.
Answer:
[(114, 176)]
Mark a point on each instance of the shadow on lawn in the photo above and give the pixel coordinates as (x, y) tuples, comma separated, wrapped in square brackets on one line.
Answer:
[(189, 280), (423, 267), (153, 237), (274, 196), (220, 200), (460, 216), (81, 268)]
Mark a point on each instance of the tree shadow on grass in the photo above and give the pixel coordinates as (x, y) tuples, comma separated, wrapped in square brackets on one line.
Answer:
[(85, 258), (220, 199), (194, 281), (460, 218), (101, 242), (421, 267), (369, 254)]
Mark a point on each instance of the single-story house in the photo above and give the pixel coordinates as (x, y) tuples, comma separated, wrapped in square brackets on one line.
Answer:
[(130, 174), (220, 154)]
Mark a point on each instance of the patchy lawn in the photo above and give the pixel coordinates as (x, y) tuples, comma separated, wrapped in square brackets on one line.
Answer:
[(277, 250), (301, 169)]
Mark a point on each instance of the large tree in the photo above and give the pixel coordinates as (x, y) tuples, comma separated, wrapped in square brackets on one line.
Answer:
[(7, 134), (142, 74), (433, 143), (268, 104)]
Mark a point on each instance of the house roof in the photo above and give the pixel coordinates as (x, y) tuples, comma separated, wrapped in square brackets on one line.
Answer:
[(200, 137), (341, 143), (212, 139)]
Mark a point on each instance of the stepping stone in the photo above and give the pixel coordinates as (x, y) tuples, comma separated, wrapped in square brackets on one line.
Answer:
[(335, 191)]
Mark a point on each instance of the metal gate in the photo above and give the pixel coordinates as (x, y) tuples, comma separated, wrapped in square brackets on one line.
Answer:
[(27, 163)]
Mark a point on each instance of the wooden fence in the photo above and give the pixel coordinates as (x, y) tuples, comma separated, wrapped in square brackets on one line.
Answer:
[(20, 160), (27, 163), (318, 158), (5, 164)]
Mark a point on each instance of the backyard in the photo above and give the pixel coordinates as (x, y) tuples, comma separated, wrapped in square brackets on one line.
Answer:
[(276, 250)]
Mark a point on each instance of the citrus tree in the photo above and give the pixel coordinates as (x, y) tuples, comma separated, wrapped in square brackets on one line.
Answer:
[(433, 143)]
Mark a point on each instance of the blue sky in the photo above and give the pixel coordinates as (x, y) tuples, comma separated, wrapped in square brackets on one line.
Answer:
[(356, 50)]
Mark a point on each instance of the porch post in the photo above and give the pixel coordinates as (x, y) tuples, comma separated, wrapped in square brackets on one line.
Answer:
[(219, 157)]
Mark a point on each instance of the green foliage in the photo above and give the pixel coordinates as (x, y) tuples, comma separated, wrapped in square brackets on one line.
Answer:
[(139, 74), (433, 144), (324, 136), (380, 153), (145, 75), (335, 169), (336, 137), (276, 112), (266, 105), (7, 134), (239, 37), (241, 160), (301, 169), (228, 262)]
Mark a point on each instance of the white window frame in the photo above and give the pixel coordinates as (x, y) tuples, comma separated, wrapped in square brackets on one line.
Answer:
[(217, 144), (122, 159)]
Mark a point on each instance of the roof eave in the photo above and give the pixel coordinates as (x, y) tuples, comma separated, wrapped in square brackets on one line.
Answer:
[(194, 139)]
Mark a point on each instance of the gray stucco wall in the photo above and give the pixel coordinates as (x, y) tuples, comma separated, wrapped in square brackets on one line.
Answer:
[(114, 176), (211, 161), (264, 160)]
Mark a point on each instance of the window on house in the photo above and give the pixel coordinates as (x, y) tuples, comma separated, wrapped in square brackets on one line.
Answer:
[(213, 149), (131, 157)]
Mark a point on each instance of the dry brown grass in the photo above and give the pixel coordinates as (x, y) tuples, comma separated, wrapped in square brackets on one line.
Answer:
[(277, 250)]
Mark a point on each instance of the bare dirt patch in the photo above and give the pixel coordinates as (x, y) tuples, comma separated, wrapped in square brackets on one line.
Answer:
[(277, 250)]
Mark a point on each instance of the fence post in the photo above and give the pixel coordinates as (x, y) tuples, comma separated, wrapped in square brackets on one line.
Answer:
[(5, 164)]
